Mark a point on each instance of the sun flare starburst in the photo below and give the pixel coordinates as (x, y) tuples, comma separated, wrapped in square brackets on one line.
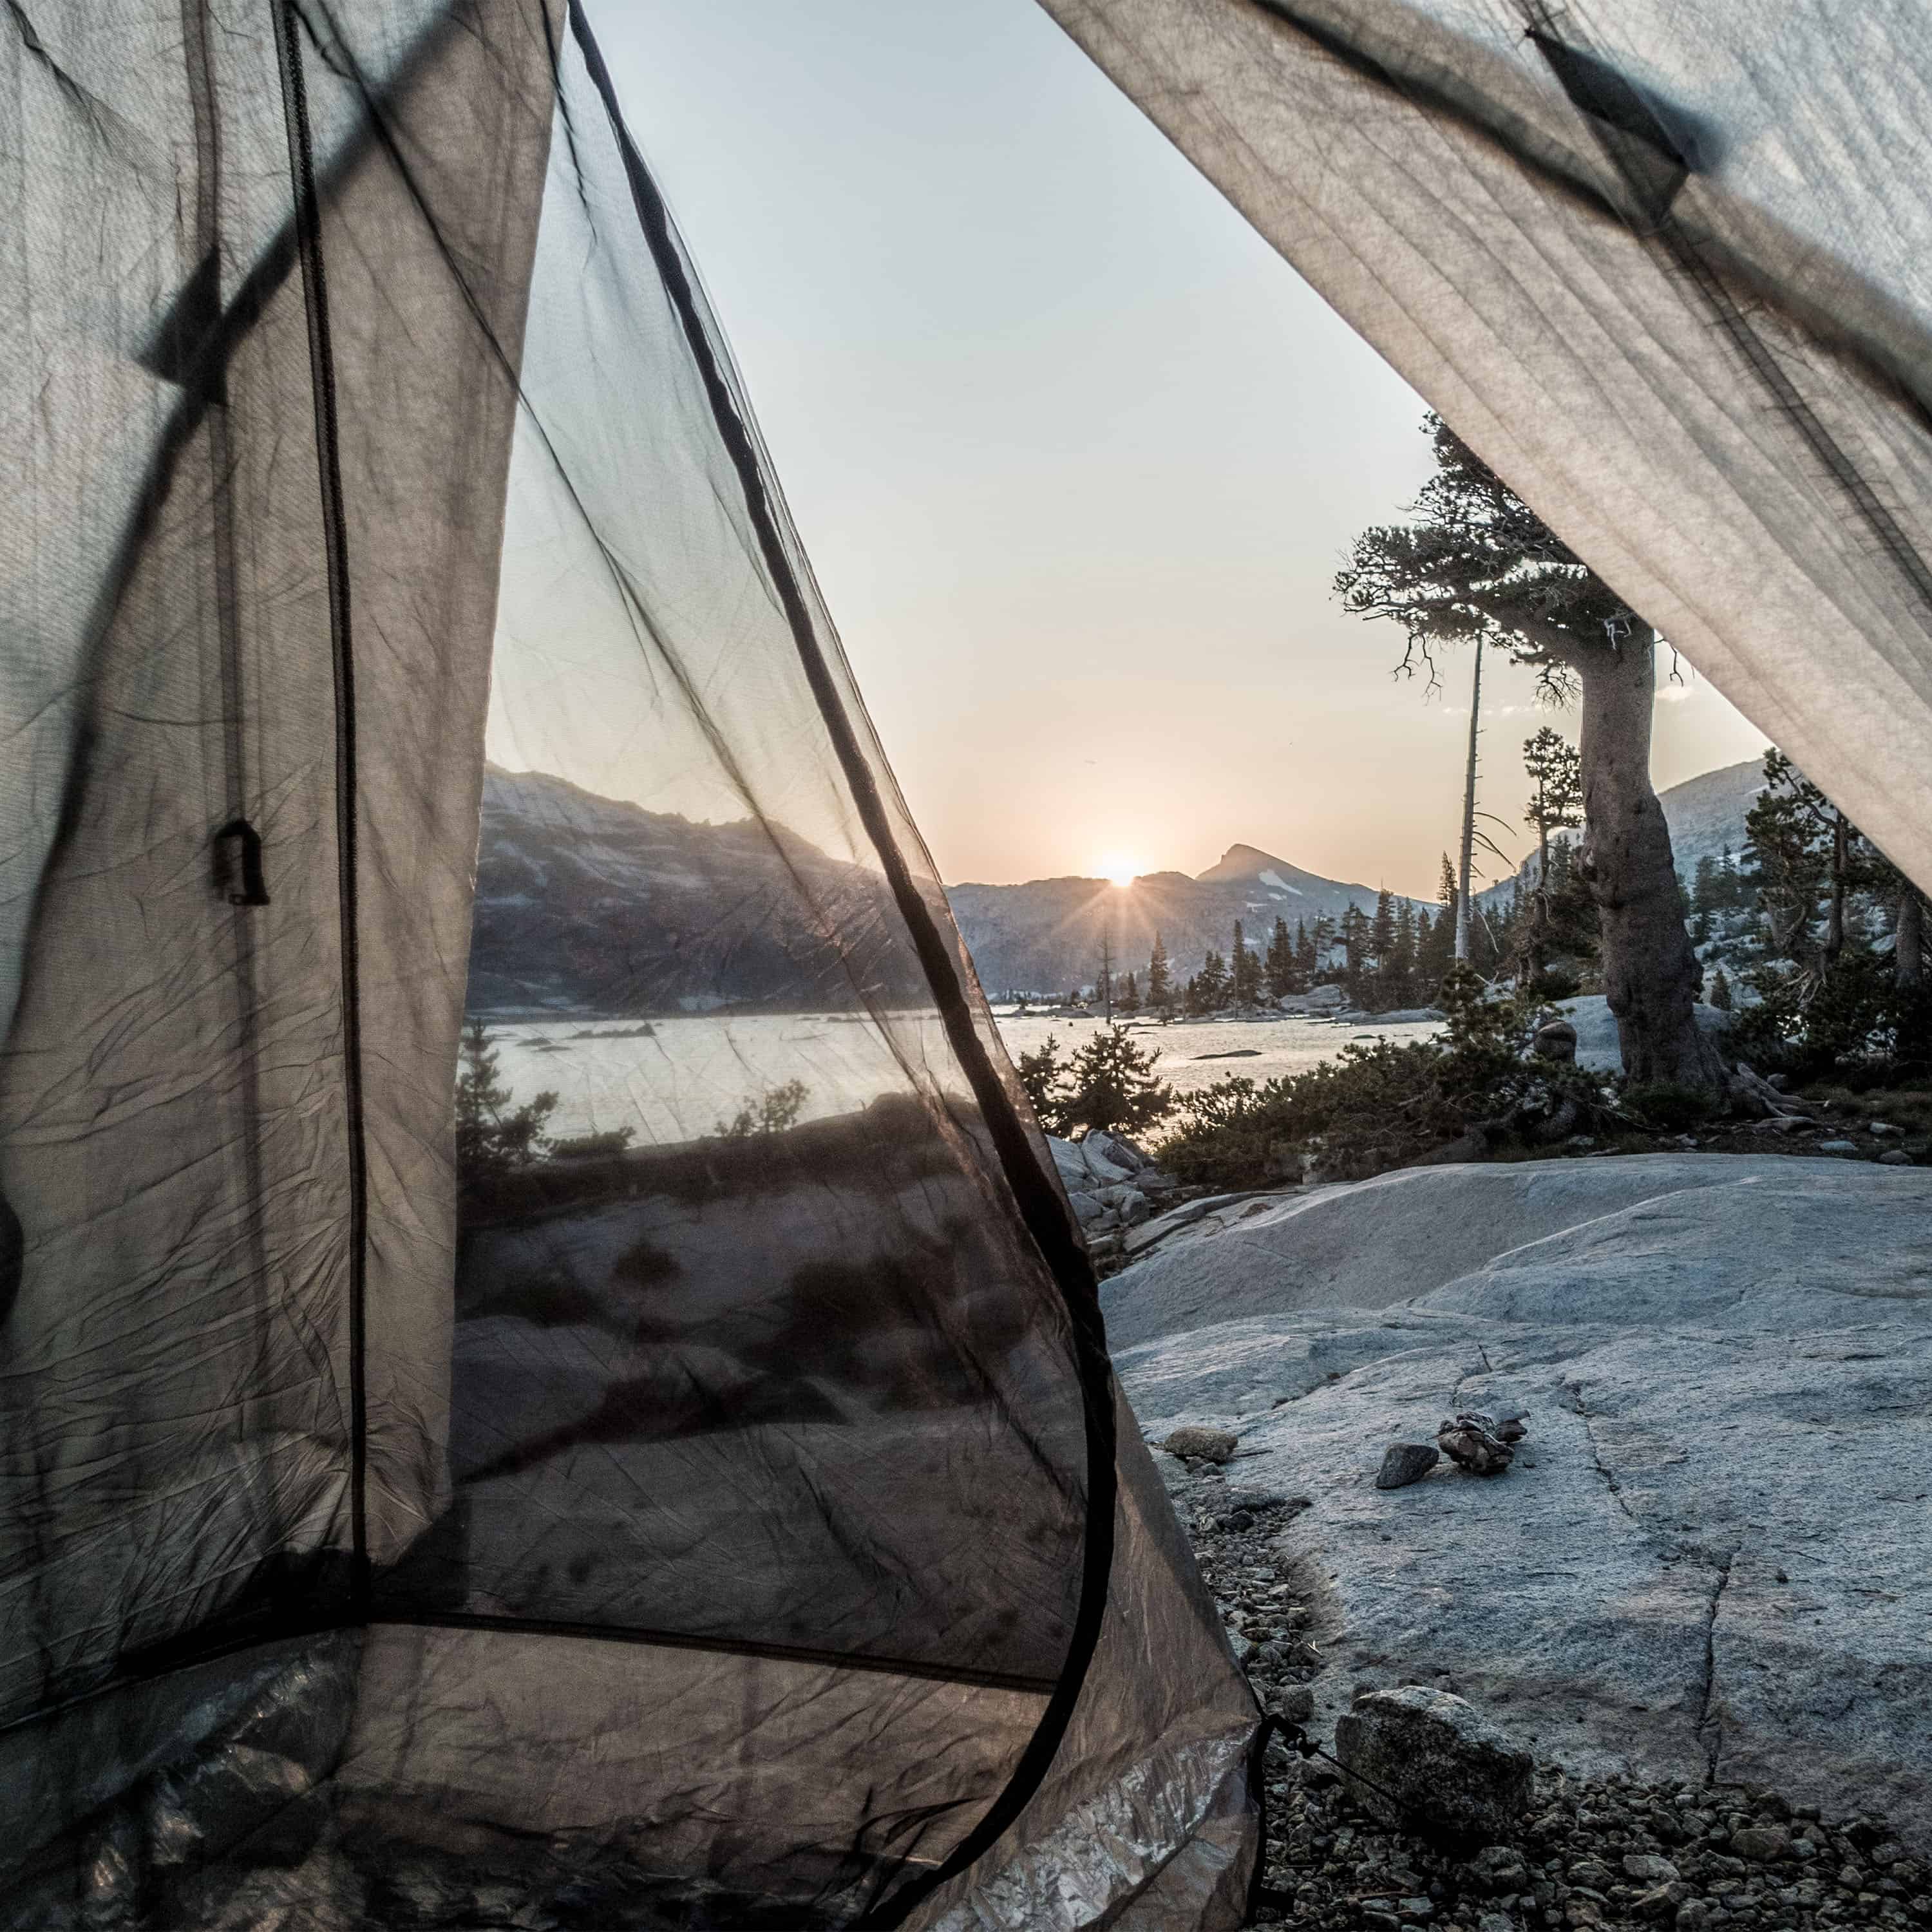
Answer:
[(1121, 871)]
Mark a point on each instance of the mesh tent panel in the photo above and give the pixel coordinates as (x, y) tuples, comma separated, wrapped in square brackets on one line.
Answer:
[(1664, 267), (695, 1504)]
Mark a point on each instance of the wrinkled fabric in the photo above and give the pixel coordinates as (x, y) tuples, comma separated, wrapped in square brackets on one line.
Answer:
[(1665, 267), (546, 1373)]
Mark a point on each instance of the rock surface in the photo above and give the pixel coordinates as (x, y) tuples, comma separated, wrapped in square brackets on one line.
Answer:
[(1421, 1756), (1707, 1559), (1611, 1851)]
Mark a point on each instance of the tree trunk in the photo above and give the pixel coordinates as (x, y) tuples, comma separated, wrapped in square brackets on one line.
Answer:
[(1908, 955), (1464, 910), (1539, 906), (1650, 974), (1841, 868)]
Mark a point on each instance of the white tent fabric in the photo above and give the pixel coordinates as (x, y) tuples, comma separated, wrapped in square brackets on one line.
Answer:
[(1667, 267)]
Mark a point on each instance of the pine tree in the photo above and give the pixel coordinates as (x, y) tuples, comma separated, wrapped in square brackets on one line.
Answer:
[(1207, 991), (1160, 979), (1244, 976), (1127, 995), (1304, 951), (1719, 994), (1475, 564), (1401, 972), (490, 1140), (1381, 947), (1113, 1087), (1802, 849), (1353, 932), (1278, 964), (1323, 941)]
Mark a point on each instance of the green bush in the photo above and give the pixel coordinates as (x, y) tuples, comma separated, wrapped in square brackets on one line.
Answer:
[(1382, 1105), (1854, 1022)]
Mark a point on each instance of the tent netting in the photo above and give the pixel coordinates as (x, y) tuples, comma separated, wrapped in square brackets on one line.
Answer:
[(547, 1380), (1666, 265)]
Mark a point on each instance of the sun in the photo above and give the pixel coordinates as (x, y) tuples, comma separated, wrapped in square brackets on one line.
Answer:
[(1120, 871)]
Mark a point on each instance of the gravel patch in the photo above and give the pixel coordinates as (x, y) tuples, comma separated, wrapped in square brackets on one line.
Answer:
[(1617, 1851)]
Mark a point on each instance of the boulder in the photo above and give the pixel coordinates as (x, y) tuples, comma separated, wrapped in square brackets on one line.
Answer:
[(1071, 1162), (1105, 1173), (1598, 1050), (1705, 1561), (1089, 1208), (1418, 1755), (1557, 1041), (1115, 1149), (1205, 1445), (1316, 999)]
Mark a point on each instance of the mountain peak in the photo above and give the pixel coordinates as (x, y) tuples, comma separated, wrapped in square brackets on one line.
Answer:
[(1246, 861)]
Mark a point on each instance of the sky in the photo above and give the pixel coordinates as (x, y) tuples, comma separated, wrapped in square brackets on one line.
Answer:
[(1075, 453)]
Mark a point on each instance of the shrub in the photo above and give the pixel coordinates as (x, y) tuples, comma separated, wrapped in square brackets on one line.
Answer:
[(1854, 1021), (1381, 1105), (582, 1147), (1666, 1106), (776, 1109)]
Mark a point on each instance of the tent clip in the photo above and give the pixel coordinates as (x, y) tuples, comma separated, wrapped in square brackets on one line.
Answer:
[(238, 877)]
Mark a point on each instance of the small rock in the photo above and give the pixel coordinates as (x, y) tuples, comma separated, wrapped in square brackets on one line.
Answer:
[(1837, 1147), (1648, 1869), (1206, 1445), (1889, 1853), (1496, 1921), (1895, 1157), (1424, 1754), (1663, 1901), (1760, 1842), (1089, 1208), (1294, 1704), (1468, 1440), (1406, 1463), (1883, 1127), (1415, 1909), (1500, 1868)]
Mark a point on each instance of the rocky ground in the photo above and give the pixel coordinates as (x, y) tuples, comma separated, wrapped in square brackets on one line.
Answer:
[(1613, 1851)]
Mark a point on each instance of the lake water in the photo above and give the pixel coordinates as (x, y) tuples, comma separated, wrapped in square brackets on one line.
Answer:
[(688, 1075)]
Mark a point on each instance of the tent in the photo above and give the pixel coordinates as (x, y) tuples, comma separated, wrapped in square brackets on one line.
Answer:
[(726, 1519)]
